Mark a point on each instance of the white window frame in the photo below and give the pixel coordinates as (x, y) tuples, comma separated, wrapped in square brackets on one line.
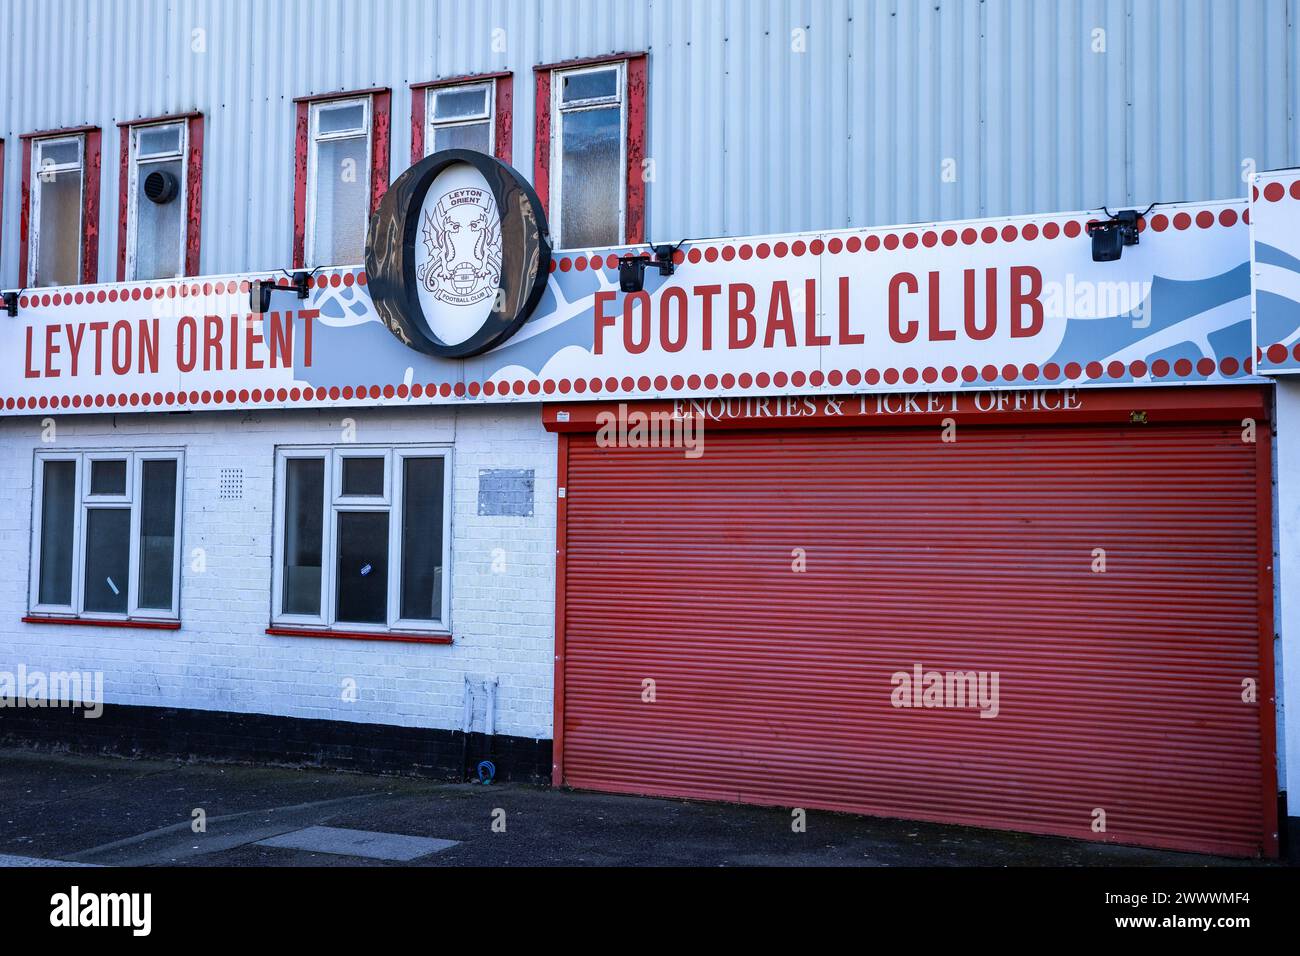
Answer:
[(315, 138), (38, 186), (431, 125), (558, 108), (392, 501), (135, 161), (84, 500)]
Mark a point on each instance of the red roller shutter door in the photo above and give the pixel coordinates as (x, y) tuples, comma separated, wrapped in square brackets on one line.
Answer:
[(1118, 691)]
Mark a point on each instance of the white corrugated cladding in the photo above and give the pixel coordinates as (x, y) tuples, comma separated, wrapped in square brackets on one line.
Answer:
[(748, 134)]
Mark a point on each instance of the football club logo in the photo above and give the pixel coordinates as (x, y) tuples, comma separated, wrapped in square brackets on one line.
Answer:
[(456, 255), (462, 235)]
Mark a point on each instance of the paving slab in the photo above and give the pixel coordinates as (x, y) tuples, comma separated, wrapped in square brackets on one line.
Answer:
[(370, 844)]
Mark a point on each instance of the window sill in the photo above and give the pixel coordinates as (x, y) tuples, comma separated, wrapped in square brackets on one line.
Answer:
[(409, 637), (152, 625)]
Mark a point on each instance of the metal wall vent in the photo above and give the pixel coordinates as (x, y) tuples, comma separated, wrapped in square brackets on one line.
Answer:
[(232, 483)]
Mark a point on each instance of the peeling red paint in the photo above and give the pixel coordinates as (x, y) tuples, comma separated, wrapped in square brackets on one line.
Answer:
[(503, 134), (123, 204), (542, 142), (300, 184), (380, 132), (194, 192), (90, 208), (634, 221), (25, 213), (418, 98)]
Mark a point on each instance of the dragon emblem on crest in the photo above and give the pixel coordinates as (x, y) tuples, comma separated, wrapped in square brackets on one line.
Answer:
[(462, 235)]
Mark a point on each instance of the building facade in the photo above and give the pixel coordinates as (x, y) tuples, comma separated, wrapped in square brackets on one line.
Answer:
[(288, 535)]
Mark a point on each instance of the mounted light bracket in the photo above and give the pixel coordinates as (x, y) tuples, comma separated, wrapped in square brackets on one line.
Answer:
[(259, 294), (632, 266), (11, 302), (1110, 236)]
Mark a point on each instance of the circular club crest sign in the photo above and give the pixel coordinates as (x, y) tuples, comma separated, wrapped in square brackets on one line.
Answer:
[(456, 254)]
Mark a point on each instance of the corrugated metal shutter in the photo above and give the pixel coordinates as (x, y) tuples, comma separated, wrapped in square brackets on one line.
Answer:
[(1118, 691)]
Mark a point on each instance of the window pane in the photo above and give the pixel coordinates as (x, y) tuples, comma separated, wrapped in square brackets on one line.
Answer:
[(587, 86), (60, 154), (468, 136), (58, 242), (108, 477), (157, 532), (590, 186), (159, 226), (342, 202), (422, 539), (362, 569), (304, 502), (158, 140), (58, 508), (337, 119), (459, 104), (108, 552), (363, 476)]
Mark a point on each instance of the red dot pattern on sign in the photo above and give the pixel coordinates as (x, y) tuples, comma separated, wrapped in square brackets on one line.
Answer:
[(1158, 368)]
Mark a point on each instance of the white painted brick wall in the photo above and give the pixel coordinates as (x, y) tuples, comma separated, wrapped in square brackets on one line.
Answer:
[(222, 658)]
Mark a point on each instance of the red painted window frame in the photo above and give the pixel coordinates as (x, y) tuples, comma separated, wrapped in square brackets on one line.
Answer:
[(193, 185), (502, 109), (137, 623), (634, 216), (381, 99), (90, 169), (403, 637)]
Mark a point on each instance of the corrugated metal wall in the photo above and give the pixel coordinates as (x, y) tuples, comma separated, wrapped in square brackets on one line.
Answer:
[(754, 127)]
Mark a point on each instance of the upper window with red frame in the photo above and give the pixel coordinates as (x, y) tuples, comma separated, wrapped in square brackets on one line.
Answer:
[(61, 205), (460, 117), (462, 112), (342, 173), (160, 223), (595, 114)]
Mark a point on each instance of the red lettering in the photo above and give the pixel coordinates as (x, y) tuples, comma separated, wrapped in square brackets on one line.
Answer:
[(212, 344), (28, 371), (810, 315), (1030, 298), (50, 351), (738, 313), (307, 315), (896, 330), (234, 341), (937, 334), (148, 347), (635, 346), (121, 347), (281, 340), (251, 338), (602, 320), (187, 333), (674, 294), (847, 337), (99, 328), (780, 315), (706, 294), (978, 332), (75, 334)]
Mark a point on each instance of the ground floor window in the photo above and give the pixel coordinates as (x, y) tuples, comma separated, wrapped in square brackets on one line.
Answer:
[(105, 541), (362, 536)]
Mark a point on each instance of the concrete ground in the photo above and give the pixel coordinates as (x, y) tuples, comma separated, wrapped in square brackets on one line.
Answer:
[(117, 812)]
